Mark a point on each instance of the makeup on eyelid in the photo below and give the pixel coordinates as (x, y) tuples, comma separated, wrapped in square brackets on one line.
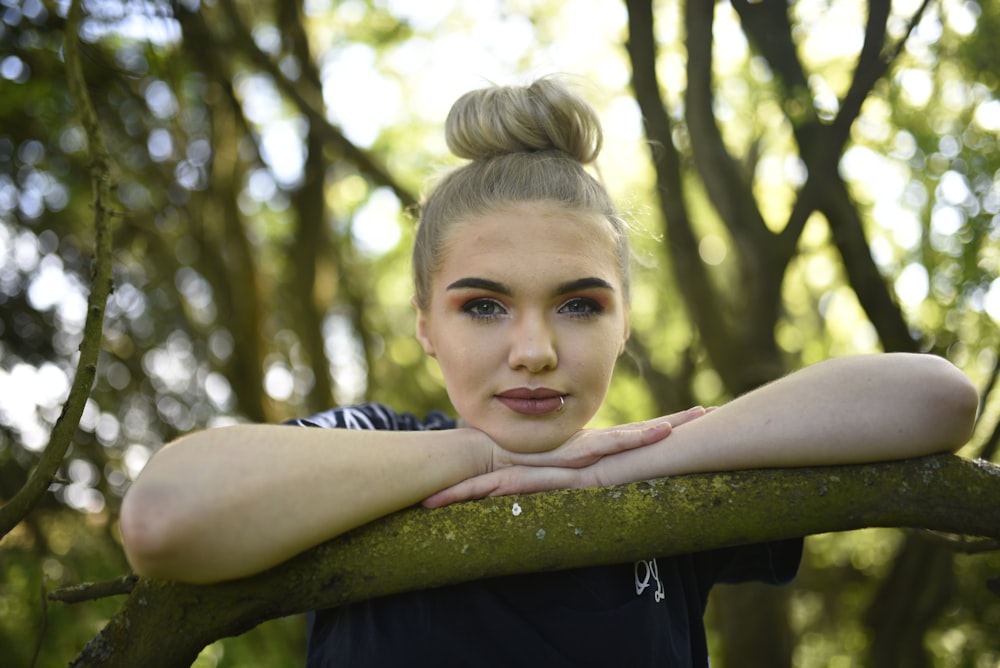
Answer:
[(527, 317), (590, 293)]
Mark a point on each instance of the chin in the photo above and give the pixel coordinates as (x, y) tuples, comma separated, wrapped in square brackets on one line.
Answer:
[(526, 442), (520, 434)]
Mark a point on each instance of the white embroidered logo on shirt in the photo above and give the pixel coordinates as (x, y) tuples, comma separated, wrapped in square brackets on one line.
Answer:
[(644, 570)]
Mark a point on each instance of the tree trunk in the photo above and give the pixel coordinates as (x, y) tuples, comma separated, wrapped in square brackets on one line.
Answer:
[(753, 620), (908, 602)]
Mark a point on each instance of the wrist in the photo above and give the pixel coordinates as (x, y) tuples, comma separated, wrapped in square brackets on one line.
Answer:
[(481, 451)]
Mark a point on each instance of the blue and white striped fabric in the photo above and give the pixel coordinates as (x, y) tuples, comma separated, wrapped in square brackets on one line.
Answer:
[(374, 416)]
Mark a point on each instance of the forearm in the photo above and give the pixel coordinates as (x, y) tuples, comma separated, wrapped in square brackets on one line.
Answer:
[(847, 410), (229, 502)]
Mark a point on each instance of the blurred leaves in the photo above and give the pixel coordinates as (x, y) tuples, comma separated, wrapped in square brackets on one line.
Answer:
[(267, 158)]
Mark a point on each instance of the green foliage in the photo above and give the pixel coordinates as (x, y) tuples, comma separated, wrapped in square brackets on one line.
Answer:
[(54, 549), (262, 248)]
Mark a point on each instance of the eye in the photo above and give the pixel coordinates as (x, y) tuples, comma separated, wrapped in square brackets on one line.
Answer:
[(484, 309), (581, 307)]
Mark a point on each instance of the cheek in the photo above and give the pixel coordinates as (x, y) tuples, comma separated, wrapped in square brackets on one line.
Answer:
[(595, 366), (591, 375), (599, 377), (464, 364), (463, 348)]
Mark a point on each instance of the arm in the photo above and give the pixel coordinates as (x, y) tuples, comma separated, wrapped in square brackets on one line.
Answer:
[(229, 502), (848, 410), (226, 503)]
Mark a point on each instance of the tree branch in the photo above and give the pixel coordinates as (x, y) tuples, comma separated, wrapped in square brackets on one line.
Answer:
[(761, 261), (820, 147), (311, 242), (728, 191), (90, 591), (553, 531), (309, 102), (868, 283), (704, 303), (86, 369)]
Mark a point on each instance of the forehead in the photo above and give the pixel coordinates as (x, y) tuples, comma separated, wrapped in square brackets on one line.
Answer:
[(528, 237)]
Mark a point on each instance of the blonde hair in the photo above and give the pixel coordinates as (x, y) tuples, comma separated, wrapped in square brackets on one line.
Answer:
[(526, 144)]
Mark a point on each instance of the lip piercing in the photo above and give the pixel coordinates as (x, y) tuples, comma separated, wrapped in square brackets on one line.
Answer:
[(562, 403)]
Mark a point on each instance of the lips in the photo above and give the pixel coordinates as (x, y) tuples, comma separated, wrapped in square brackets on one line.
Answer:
[(534, 402)]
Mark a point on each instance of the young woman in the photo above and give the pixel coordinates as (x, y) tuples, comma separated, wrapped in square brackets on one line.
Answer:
[(522, 295)]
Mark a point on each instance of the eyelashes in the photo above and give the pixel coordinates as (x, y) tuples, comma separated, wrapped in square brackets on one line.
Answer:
[(582, 307), (484, 309), (487, 309)]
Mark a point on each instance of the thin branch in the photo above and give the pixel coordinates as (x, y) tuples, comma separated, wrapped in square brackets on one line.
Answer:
[(767, 25), (990, 446), (42, 624), (872, 66), (989, 449), (820, 146), (864, 276), (89, 591), (729, 192), (873, 63), (963, 544), (991, 383), (86, 371), (310, 106)]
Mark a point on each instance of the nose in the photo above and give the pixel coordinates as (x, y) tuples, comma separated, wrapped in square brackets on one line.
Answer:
[(533, 344)]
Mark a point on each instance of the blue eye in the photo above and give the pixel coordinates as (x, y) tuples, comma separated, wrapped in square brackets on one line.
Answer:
[(581, 307), (484, 309)]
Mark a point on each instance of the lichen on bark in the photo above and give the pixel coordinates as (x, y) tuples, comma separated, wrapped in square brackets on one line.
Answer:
[(166, 624)]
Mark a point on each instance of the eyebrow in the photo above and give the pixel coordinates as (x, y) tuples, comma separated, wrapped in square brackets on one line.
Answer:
[(481, 284), (587, 283)]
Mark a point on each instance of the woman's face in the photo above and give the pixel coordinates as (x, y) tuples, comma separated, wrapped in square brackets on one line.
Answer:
[(527, 317)]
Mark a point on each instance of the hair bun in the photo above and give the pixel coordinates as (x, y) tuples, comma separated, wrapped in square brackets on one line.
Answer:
[(510, 119)]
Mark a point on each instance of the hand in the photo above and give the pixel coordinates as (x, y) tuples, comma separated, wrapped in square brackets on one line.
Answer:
[(570, 465)]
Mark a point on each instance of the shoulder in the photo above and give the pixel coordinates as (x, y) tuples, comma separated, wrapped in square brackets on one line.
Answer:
[(374, 416)]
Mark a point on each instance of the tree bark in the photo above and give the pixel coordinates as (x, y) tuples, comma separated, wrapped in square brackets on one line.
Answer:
[(553, 531)]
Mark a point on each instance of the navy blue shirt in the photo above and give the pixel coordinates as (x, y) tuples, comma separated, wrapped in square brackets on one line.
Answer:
[(646, 613)]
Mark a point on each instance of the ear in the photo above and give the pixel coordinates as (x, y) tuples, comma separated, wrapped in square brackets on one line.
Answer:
[(422, 329)]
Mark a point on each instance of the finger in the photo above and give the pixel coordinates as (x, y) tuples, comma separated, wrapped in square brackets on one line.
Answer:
[(515, 480), (527, 480), (683, 417), (640, 434), (478, 487), (589, 446)]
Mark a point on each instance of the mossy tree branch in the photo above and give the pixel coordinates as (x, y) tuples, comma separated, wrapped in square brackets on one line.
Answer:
[(419, 549), (86, 370)]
